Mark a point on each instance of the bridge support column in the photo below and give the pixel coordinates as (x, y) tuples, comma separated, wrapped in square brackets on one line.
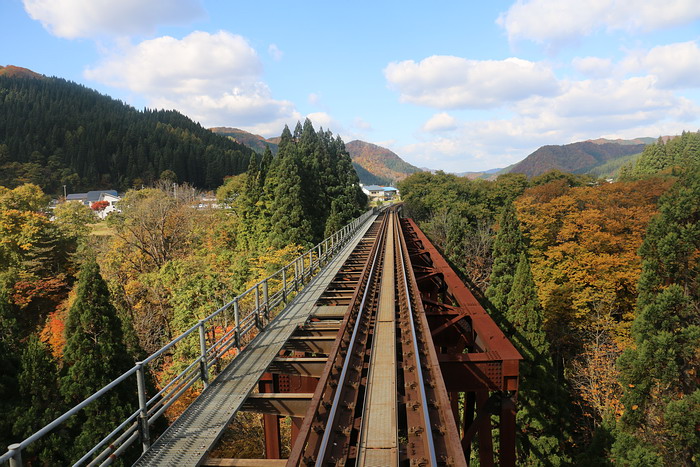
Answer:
[(271, 423)]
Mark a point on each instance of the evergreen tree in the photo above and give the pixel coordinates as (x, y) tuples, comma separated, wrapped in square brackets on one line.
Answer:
[(94, 355), (9, 394), (40, 404), (310, 188), (659, 374), (506, 252), (290, 224), (541, 412)]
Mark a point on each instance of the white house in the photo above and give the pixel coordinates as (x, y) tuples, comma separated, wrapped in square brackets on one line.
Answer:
[(91, 197), (381, 193)]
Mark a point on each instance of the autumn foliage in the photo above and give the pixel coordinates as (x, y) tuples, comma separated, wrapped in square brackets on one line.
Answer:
[(99, 205)]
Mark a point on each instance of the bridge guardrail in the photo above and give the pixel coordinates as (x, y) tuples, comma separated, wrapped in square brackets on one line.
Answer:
[(210, 343)]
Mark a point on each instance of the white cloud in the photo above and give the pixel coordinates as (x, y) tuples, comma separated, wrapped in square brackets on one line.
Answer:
[(593, 67), (546, 21), (440, 122), (608, 97), (275, 52), (93, 18), (213, 78), (675, 65), (199, 63), (447, 82)]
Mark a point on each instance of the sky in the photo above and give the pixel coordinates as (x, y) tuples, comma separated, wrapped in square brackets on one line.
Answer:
[(452, 85)]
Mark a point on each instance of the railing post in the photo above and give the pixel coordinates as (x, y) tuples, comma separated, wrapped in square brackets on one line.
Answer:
[(144, 430), (16, 460), (203, 354), (296, 274), (302, 268), (284, 284), (258, 323), (311, 262), (266, 300), (236, 317), (318, 256)]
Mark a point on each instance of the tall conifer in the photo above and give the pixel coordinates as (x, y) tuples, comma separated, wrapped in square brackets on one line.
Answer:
[(660, 373), (94, 355), (40, 404), (541, 409), (506, 251)]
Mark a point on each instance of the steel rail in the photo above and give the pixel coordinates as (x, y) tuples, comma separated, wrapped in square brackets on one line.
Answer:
[(381, 238), (416, 352)]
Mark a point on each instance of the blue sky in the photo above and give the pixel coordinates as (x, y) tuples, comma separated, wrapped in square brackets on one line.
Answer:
[(448, 85)]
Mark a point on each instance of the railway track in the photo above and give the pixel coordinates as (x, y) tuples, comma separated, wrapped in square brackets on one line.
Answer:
[(380, 400)]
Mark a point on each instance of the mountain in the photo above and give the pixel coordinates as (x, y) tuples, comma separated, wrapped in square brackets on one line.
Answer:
[(579, 157), (12, 71), (255, 142), (380, 162), (55, 132), (624, 142), (486, 174)]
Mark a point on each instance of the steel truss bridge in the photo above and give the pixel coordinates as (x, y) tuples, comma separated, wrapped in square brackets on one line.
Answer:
[(369, 341)]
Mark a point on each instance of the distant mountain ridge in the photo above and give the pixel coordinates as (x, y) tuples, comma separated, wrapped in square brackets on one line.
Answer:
[(624, 142), (581, 157), (383, 164), (255, 142)]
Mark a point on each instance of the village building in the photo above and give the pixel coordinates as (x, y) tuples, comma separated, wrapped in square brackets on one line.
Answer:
[(380, 193), (92, 197)]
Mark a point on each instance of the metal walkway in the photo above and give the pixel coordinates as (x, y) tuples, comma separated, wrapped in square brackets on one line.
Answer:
[(195, 432)]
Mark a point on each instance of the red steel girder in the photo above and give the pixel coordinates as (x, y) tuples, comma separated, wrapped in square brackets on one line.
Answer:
[(475, 357)]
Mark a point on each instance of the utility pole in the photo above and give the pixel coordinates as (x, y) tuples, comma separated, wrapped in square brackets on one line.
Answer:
[(64, 193)]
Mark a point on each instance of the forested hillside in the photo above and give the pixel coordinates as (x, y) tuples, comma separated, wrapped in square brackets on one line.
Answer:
[(54, 132), (575, 157), (596, 284), (380, 162)]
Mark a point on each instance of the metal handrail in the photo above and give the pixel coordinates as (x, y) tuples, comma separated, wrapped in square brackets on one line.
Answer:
[(150, 410)]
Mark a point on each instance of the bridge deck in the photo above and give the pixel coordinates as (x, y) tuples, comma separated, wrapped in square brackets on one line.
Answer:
[(195, 432)]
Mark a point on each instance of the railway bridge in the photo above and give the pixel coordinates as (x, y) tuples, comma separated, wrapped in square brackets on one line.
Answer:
[(370, 343)]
